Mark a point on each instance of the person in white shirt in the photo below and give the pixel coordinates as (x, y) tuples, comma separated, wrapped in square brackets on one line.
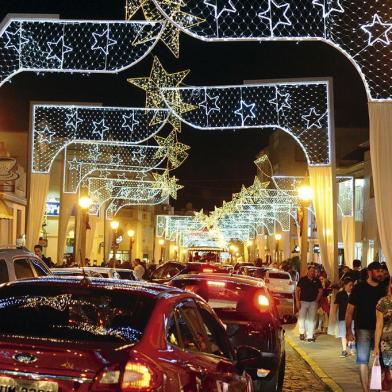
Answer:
[(138, 269)]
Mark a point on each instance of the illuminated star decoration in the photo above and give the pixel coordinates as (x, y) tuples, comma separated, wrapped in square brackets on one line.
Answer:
[(103, 42), (167, 184), (313, 119), (274, 11), (73, 120), (281, 101), (377, 31), (246, 111), (141, 176), (57, 50), (158, 79), (139, 155), (220, 6), (45, 136), (100, 128), (210, 104), (329, 6), (129, 121), (15, 40), (73, 164), (175, 152), (94, 154)]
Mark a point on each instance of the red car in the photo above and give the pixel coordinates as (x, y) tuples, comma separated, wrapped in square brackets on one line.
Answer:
[(104, 335)]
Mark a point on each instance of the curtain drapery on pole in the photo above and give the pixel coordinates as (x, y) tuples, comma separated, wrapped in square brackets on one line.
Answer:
[(39, 186), (348, 235), (68, 201), (322, 181), (380, 115)]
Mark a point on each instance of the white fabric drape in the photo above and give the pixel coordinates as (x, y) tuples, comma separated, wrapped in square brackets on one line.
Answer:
[(322, 180), (93, 220), (39, 186), (348, 235), (380, 115), (67, 203)]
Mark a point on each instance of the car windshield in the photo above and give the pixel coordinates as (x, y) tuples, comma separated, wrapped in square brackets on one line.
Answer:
[(125, 275), (278, 275), (74, 313)]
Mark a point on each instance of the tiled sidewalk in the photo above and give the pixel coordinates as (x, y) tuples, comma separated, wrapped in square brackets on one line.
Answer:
[(324, 355)]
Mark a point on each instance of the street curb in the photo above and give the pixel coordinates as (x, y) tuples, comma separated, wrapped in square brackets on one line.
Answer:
[(331, 384)]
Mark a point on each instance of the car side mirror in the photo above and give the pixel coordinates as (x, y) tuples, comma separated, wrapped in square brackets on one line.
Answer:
[(288, 319), (247, 357)]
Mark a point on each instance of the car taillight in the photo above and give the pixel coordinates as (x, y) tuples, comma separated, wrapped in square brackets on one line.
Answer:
[(139, 377), (262, 301), (216, 284), (107, 380), (208, 270)]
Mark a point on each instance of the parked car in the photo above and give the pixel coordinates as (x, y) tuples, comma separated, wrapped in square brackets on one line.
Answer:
[(19, 263), (168, 270), (99, 335), (97, 272), (256, 272), (248, 310)]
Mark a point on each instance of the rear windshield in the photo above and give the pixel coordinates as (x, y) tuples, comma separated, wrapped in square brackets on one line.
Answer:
[(74, 314), (278, 275), (125, 275), (220, 293)]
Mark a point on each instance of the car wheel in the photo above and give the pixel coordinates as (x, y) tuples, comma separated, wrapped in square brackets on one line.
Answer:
[(276, 382)]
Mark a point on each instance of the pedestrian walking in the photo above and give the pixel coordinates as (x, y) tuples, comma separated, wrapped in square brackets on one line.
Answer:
[(338, 309), (138, 269), (323, 305), (362, 301), (308, 294), (383, 335)]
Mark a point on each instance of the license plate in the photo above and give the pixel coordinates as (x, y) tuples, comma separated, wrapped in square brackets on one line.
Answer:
[(8, 384)]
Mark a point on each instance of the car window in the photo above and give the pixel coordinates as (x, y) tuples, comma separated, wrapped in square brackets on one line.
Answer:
[(172, 271), (39, 268), (172, 334), (126, 275), (278, 275), (4, 278), (159, 273), (23, 269)]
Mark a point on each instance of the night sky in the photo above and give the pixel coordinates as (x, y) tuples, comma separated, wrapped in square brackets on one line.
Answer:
[(220, 161)]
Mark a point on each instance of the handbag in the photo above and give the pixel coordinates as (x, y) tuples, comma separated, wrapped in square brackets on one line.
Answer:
[(375, 379)]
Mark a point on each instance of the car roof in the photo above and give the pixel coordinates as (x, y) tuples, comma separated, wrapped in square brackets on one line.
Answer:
[(15, 252), (275, 270), (238, 279), (140, 287)]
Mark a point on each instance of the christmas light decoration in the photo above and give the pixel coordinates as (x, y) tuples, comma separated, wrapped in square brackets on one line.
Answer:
[(361, 31), (300, 108), (56, 126), (50, 45)]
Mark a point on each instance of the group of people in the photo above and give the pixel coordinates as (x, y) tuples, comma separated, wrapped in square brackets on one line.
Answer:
[(361, 311)]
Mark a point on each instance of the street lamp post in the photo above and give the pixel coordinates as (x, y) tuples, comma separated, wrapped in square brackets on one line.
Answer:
[(131, 235), (114, 225), (249, 245), (278, 237), (305, 194), (84, 204), (162, 243), (175, 248)]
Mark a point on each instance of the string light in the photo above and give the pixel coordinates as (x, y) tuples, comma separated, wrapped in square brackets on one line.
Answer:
[(361, 31), (51, 45)]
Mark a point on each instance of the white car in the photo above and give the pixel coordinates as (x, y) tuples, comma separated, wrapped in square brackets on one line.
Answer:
[(96, 272), (20, 263), (279, 283)]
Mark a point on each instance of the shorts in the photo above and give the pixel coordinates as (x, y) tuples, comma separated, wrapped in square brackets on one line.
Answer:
[(364, 339), (342, 329)]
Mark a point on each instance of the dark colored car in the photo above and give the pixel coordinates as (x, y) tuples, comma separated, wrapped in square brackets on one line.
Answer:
[(107, 335), (168, 270), (249, 311)]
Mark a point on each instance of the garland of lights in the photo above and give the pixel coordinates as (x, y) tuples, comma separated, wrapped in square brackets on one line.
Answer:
[(49, 45), (300, 108), (360, 30), (56, 126)]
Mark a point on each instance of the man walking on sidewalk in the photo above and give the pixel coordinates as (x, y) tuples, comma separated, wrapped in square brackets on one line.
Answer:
[(362, 302), (307, 296)]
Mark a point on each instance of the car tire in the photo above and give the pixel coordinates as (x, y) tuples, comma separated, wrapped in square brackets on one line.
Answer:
[(276, 382)]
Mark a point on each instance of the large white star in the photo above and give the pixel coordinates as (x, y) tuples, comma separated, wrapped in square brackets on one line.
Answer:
[(45, 136), (72, 119), (276, 10), (281, 101), (220, 6), (129, 121), (210, 104), (139, 155), (100, 128), (245, 111), (378, 31), (73, 164), (103, 42), (15, 40), (57, 50), (329, 6), (313, 119)]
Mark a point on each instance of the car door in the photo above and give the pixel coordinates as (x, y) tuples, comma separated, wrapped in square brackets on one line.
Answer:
[(22, 268)]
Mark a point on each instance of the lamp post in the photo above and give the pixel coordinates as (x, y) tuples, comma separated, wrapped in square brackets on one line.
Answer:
[(278, 237), (84, 205), (162, 243), (175, 248), (131, 235), (249, 245), (305, 195), (114, 225)]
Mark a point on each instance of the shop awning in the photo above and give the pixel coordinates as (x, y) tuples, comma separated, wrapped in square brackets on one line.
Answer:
[(4, 211)]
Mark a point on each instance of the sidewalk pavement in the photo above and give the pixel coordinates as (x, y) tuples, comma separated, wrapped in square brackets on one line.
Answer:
[(340, 374)]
